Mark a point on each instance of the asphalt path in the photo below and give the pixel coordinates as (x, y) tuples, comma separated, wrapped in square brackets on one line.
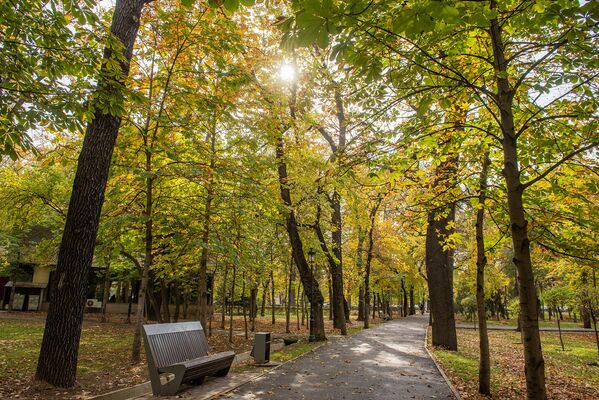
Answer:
[(386, 362)]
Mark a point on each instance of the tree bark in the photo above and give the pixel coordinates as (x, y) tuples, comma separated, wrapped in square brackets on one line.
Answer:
[(139, 313), (308, 280), (412, 305), (338, 300), (106, 294), (263, 305), (484, 366), (272, 297), (224, 298), (245, 319), (406, 309), (361, 303), (439, 271), (290, 292), (232, 300), (57, 362), (533, 355), (372, 218)]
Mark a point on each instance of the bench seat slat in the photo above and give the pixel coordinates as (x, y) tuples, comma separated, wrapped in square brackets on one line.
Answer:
[(223, 358)]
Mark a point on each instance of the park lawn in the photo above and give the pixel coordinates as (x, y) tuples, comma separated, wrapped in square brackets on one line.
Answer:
[(104, 360), (568, 373), (566, 323)]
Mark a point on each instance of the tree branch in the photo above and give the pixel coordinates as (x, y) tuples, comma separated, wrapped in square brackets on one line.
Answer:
[(557, 164)]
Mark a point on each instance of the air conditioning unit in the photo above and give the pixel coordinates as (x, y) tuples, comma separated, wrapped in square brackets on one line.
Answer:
[(93, 303)]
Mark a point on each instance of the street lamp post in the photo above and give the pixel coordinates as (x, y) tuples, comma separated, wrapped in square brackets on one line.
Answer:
[(311, 254)]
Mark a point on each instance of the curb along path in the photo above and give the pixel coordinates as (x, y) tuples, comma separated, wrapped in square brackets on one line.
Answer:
[(386, 362)]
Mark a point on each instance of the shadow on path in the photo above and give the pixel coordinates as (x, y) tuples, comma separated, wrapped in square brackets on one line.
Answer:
[(386, 362)]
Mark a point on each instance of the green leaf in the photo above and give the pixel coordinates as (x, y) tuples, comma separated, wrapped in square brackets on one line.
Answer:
[(322, 39), (231, 5)]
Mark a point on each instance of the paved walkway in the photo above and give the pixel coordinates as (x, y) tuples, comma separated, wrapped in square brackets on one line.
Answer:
[(387, 362)]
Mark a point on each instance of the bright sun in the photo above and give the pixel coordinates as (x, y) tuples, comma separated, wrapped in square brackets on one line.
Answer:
[(287, 72)]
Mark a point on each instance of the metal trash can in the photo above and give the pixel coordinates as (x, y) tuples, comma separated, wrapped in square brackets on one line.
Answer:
[(261, 351)]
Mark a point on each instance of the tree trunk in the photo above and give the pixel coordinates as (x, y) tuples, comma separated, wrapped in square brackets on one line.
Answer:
[(202, 310), (106, 294), (224, 299), (139, 314), (290, 292), (263, 305), (297, 305), (331, 312), (177, 302), (361, 303), (232, 300), (585, 315), (372, 217), (484, 366), (133, 287), (253, 306), (272, 298), (412, 305), (245, 319), (406, 308), (338, 300), (439, 271), (533, 355), (57, 362), (164, 294), (308, 280)]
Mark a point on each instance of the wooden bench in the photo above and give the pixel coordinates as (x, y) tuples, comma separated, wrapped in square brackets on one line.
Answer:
[(181, 349)]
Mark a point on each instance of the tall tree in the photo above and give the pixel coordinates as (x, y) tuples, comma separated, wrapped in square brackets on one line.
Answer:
[(57, 363), (484, 367)]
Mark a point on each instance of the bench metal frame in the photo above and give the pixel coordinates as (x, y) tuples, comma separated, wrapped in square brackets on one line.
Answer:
[(181, 349)]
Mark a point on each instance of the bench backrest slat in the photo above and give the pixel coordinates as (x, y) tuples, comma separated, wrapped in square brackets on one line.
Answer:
[(173, 343)]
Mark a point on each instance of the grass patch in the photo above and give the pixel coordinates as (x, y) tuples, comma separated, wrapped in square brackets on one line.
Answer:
[(543, 324), (292, 351), (568, 373), (100, 347), (359, 328)]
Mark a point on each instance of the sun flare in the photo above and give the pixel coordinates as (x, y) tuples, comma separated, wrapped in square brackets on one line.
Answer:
[(287, 72)]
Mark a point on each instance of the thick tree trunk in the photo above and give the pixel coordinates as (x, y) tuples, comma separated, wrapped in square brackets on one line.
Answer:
[(361, 303), (533, 355), (585, 315), (484, 366), (405, 298), (338, 300), (57, 362), (439, 271), (372, 218)]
